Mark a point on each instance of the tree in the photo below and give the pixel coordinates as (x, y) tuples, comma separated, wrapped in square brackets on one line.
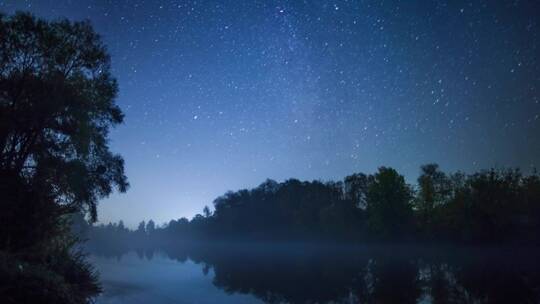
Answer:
[(57, 105), (356, 186), (206, 212), (141, 229), (150, 227), (121, 226), (388, 204), (434, 190)]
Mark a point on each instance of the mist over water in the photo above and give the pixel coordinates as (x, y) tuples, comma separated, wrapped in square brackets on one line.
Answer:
[(307, 273), (368, 239), (158, 279)]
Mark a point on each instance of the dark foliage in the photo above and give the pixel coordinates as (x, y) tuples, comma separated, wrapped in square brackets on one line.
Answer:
[(487, 207), (56, 108)]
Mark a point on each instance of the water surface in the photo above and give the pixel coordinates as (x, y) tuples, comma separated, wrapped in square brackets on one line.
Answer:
[(159, 279), (310, 274)]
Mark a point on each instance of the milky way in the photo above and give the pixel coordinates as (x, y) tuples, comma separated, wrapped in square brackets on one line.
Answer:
[(222, 95)]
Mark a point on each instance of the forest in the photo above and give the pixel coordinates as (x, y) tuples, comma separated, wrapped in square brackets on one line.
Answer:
[(486, 207)]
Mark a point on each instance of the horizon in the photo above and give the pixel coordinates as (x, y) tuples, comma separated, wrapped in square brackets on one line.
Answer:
[(221, 97), (413, 183)]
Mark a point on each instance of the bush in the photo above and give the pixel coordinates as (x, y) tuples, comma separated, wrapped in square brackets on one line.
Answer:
[(65, 278)]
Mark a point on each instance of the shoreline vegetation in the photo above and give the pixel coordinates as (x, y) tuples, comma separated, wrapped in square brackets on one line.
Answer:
[(342, 242), (488, 208)]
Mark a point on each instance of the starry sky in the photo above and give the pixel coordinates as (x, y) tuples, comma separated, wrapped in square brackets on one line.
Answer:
[(220, 95)]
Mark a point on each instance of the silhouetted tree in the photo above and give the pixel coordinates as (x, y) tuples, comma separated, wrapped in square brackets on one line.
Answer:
[(389, 208), (141, 229), (206, 212), (150, 227), (56, 107), (57, 104), (356, 187), (434, 191)]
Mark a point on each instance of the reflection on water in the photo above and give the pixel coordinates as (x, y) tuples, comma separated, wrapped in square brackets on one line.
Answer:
[(158, 279), (310, 274)]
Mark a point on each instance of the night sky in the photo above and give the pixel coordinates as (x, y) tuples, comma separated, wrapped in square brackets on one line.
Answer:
[(222, 95)]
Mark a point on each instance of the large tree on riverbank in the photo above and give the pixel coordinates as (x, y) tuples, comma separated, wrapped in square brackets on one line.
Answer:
[(57, 104)]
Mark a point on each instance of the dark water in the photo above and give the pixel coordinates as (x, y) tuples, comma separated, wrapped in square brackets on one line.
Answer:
[(310, 274)]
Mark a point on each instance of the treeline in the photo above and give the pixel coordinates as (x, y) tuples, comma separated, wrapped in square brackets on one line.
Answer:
[(114, 239), (489, 206)]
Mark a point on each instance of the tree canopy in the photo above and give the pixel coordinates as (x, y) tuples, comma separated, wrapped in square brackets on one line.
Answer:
[(57, 105), (489, 206)]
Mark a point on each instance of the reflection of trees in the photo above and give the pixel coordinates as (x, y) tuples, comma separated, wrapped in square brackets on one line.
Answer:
[(378, 276), (296, 274), (296, 279), (501, 278), (483, 277), (390, 279)]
